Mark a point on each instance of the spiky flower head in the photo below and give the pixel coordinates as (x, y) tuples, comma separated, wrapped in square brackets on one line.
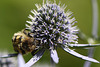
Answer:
[(52, 25)]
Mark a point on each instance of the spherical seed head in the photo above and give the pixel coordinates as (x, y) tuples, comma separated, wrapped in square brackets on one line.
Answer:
[(51, 25)]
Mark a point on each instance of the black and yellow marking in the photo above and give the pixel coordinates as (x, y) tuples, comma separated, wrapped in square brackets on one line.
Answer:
[(23, 43)]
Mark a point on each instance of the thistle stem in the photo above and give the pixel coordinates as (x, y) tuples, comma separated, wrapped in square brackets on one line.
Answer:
[(95, 19), (94, 30), (90, 54)]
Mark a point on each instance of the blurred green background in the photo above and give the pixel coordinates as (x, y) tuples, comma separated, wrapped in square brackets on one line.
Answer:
[(13, 16)]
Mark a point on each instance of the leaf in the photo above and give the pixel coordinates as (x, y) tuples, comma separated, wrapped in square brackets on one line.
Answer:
[(54, 55), (83, 45), (35, 58), (9, 55), (21, 61), (79, 55)]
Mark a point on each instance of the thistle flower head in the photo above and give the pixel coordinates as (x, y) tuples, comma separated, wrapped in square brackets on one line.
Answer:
[(52, 25)]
